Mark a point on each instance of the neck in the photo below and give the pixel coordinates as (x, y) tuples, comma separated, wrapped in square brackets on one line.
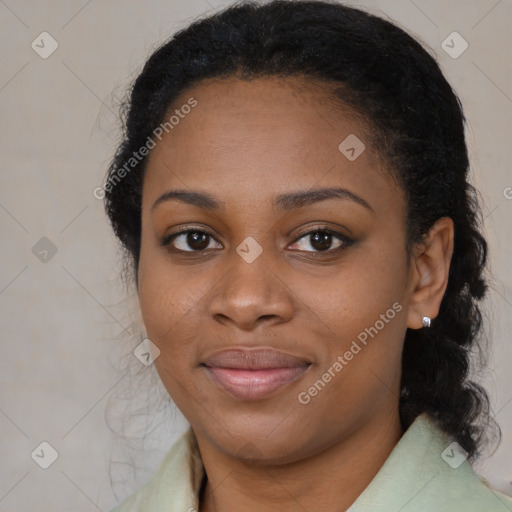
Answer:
[(330, 480)]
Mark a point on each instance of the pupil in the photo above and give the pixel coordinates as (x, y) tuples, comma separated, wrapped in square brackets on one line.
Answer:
[(324, 240), (195, 237)]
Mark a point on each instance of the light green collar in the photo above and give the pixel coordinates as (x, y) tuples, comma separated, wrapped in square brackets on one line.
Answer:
[(424, 472)]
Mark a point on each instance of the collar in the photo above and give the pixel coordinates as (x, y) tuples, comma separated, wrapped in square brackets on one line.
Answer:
[(424, 472)]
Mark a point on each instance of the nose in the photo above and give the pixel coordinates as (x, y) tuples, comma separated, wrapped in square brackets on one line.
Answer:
[(251, 294)]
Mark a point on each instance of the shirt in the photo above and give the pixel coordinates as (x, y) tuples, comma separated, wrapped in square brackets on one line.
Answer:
[(425, 472)]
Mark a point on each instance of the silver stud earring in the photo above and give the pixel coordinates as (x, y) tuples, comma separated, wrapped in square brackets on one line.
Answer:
[(426, 321)]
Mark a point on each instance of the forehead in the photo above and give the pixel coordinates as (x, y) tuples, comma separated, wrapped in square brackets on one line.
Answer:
[(247, 140)]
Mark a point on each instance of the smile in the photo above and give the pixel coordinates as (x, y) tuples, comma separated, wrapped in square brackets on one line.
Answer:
[(254, 374)]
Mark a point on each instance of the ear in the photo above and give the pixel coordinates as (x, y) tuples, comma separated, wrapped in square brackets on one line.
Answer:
[(429, 270)]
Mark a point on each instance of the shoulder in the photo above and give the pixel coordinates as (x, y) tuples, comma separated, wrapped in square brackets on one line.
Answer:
[(174, 485), (428, 471), (454, 484), (463, 489)]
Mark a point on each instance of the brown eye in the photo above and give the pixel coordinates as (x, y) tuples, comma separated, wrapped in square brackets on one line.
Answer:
[(197, 240), (191, 240), (322, 240)]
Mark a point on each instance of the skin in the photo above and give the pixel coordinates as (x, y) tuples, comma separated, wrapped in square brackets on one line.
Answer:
[(245, 143)]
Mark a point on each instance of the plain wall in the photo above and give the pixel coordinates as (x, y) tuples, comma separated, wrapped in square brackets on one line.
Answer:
[(67, 323)]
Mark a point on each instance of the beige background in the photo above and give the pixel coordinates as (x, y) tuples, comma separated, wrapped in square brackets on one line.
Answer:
[(67, 323)]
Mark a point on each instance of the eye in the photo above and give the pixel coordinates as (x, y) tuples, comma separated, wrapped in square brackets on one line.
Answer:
[(189, 240), (197, 240), (321, 240)]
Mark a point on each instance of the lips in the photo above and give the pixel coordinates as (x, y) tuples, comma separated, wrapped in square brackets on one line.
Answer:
[(253, 374)]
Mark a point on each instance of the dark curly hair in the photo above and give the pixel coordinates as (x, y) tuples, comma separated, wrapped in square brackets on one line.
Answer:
[(416, 124)]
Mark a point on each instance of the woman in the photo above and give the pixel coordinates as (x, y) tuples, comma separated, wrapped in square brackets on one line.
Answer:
[(292, 192)]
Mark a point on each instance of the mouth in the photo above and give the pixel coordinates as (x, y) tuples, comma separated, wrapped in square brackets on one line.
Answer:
[(254, 374)]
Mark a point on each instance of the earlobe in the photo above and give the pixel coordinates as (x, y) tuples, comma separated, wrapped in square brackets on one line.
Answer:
[(430, 269)]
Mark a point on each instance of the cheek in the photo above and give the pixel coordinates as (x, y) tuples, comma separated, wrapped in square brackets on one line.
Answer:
[(167, 294), (170, 318), (167, 306), (358, 292)]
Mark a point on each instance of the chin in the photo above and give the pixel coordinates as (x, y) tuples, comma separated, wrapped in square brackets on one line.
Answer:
[(258, 443)]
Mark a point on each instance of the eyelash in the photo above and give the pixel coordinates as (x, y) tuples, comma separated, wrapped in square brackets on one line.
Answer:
[(346, 241)]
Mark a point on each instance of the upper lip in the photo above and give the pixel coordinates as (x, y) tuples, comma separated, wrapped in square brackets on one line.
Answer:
[(254, 359)]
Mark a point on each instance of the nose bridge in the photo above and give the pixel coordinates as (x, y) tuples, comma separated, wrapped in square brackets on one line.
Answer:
[(248, 279), (250, 289)]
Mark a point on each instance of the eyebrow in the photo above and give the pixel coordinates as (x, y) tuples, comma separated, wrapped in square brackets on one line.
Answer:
[(284, 202)]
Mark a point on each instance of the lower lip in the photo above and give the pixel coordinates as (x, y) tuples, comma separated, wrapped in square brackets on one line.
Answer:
[(254, 384)]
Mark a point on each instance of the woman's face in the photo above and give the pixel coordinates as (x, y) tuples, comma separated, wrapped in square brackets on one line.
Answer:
[(273, 339)]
